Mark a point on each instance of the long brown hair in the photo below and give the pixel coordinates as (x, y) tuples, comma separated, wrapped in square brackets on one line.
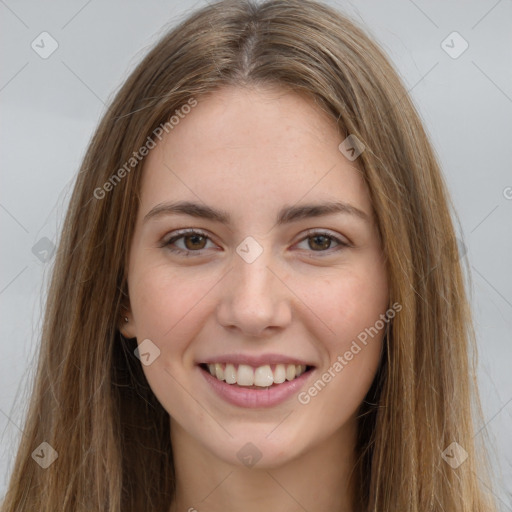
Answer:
[(91, 402)]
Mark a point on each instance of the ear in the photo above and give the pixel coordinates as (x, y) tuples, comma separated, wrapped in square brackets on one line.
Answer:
[(126, 324)]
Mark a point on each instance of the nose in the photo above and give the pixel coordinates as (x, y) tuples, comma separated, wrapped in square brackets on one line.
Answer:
[(254, 300)]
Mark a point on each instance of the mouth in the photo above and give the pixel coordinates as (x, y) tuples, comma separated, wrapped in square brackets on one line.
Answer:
[(249, 377)]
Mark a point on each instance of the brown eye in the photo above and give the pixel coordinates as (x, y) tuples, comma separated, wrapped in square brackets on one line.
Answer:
[(187, 243), (320, 242), (194, 241)]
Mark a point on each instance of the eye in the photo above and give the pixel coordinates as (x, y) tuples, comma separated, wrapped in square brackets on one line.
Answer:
[(321, 242), (194, 242)]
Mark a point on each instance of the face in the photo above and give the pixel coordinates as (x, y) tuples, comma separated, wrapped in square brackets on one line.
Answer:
[(252, 283)]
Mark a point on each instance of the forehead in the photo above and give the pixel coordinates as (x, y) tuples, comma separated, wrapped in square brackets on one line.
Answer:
[(252, 146)]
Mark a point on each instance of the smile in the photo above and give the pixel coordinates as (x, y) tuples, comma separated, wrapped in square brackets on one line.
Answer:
[(262, 376)]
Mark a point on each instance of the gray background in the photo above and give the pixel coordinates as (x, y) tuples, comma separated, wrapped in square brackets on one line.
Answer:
[(50, 108)]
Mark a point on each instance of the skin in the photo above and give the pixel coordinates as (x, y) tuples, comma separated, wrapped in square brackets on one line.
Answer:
[(251, 152)]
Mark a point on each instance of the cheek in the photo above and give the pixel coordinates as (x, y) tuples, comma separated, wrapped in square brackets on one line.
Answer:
[(356, 347), (352, 348), (347, 303), (338, 394), (168, 309), (164, 302)]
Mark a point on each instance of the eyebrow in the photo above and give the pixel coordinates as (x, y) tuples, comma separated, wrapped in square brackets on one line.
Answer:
[(287, 215)]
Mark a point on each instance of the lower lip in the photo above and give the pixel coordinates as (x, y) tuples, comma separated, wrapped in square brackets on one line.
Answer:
[(255, 398)]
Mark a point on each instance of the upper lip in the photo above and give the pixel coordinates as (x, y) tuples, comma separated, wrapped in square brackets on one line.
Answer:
[(255, 360)]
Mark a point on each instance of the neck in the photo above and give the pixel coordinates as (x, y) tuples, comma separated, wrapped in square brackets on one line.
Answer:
[(318, 479)]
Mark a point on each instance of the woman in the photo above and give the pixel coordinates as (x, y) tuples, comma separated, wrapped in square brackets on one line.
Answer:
[(257, 301)]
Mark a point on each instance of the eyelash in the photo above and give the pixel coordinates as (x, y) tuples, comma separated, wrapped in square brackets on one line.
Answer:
[(309, 234)]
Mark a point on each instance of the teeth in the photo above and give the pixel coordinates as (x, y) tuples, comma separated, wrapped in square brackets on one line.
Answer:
[(263, 376), (230, 374), (280, 374), (219, 371), (244, 376)]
